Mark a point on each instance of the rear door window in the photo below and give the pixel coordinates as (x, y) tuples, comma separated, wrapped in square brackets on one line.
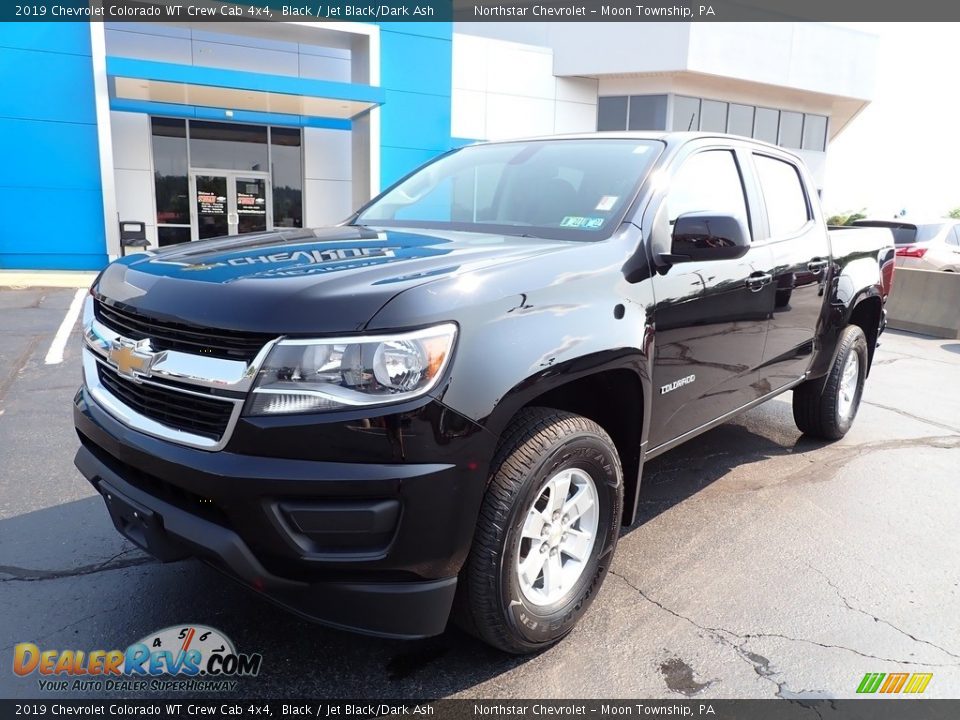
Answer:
[(787, 207)]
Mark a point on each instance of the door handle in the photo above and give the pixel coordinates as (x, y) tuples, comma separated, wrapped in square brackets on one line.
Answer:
[(817, 264), (758, 280)]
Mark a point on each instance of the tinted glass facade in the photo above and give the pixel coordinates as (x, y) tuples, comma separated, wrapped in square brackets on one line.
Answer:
[(186, 156)]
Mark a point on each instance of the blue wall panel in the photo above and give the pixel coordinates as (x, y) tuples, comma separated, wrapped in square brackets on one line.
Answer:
[(415, 71), (442, 30), (44, 36), (48, 225), (396, 162), (47, 85), (30, 152), (415, 121), (48, 137), (415, 63)]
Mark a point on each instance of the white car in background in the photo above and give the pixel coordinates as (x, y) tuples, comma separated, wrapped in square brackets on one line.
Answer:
[(923, 246)]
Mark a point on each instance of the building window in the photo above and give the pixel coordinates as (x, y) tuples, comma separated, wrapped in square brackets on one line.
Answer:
[(686, 113), (740, 120), (170, 170), (713, 116), (286, 171), (637, 112), (612, 113), (199, 149), (765, 125), (228, 146), (791, 129), (814, 132), (786, 128), (647, 112)]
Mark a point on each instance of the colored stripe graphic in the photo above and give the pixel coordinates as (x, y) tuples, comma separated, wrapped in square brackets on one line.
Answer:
[(918, 683), (894, 682), (870, 682)]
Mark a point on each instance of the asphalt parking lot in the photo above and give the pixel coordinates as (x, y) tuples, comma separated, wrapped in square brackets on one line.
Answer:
[(763, 564)]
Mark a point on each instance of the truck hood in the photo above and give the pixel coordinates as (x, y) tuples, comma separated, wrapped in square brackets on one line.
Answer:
[(300, 281)]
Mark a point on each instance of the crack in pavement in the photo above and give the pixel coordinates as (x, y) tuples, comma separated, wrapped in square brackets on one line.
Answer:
[(19, 574), (836, 457), (830, 460), (918, 418), (762, 670), (876, 619), (760, 665), (908, 356), (38, 640), (18, 365)]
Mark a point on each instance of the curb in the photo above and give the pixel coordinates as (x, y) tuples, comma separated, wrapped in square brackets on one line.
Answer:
[(22, 279)]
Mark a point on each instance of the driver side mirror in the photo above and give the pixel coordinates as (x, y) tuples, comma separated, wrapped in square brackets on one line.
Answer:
[(707, 236)]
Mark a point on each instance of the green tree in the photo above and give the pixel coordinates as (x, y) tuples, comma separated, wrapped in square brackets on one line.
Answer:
[(955, 213), (847, 218)]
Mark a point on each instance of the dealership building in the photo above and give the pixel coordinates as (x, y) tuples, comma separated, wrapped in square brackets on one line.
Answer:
[(194, 130)]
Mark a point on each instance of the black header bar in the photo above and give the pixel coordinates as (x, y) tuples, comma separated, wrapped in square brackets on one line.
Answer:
[(478, 10), (46, 708)]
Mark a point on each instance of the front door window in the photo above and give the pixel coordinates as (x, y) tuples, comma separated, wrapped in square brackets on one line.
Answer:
[(229, 204)]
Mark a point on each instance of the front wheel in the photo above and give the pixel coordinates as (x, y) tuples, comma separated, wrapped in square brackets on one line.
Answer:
[(826, 407), (547, 530)]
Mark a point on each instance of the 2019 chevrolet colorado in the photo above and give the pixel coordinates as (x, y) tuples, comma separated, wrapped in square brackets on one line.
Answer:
[(446, 402)]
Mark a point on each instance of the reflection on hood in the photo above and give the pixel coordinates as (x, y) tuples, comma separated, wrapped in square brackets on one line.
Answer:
[(292, 259)]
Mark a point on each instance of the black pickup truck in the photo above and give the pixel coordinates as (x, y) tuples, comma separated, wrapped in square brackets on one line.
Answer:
[(443, 405)]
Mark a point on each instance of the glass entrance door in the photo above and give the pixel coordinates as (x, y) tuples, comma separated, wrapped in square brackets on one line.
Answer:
[(210, 206), (251, 199), (229, 203)]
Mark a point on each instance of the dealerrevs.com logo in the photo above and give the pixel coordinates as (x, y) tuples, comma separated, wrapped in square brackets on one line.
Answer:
[(189, 658)]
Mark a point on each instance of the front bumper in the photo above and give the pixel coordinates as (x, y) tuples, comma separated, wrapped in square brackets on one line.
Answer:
[(371, 547)]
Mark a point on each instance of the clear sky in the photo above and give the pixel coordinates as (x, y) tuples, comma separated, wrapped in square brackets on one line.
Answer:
[(903, 151)]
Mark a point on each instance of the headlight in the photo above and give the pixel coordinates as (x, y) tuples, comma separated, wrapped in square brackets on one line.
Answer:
[(314, 375)]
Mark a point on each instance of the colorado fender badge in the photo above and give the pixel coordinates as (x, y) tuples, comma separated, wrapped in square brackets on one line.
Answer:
[(670, 387)]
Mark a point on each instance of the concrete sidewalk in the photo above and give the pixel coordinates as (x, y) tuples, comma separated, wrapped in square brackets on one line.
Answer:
[(46, 278)]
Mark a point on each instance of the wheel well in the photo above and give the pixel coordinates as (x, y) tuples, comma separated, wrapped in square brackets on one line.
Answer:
[(614, 400), (866, 316)]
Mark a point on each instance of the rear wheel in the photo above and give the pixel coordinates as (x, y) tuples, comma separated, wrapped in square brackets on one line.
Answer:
[(826, 407), (546, 534)]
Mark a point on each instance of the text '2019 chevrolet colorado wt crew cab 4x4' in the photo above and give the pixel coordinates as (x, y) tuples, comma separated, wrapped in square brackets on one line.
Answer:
[(445, 403)]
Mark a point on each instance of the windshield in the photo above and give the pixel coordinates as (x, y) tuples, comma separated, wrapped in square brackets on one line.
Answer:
[(565, 189)]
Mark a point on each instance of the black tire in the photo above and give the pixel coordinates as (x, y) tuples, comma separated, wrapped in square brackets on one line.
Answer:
[(538, 444), (816, 403)]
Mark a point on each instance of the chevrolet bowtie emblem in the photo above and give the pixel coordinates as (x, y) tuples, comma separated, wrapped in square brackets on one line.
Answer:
[(133, 359)]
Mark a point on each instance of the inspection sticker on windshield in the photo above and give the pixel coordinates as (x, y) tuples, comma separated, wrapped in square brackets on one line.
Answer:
[(577, 221), (606, 203)]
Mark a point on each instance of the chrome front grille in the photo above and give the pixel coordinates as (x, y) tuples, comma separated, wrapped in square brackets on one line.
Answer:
[(143, 377), (185, 412)]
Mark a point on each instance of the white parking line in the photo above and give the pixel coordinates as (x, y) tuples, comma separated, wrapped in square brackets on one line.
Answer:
[(55, 353)]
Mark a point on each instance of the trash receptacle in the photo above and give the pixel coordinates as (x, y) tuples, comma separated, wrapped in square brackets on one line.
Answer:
[(133, 233)]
